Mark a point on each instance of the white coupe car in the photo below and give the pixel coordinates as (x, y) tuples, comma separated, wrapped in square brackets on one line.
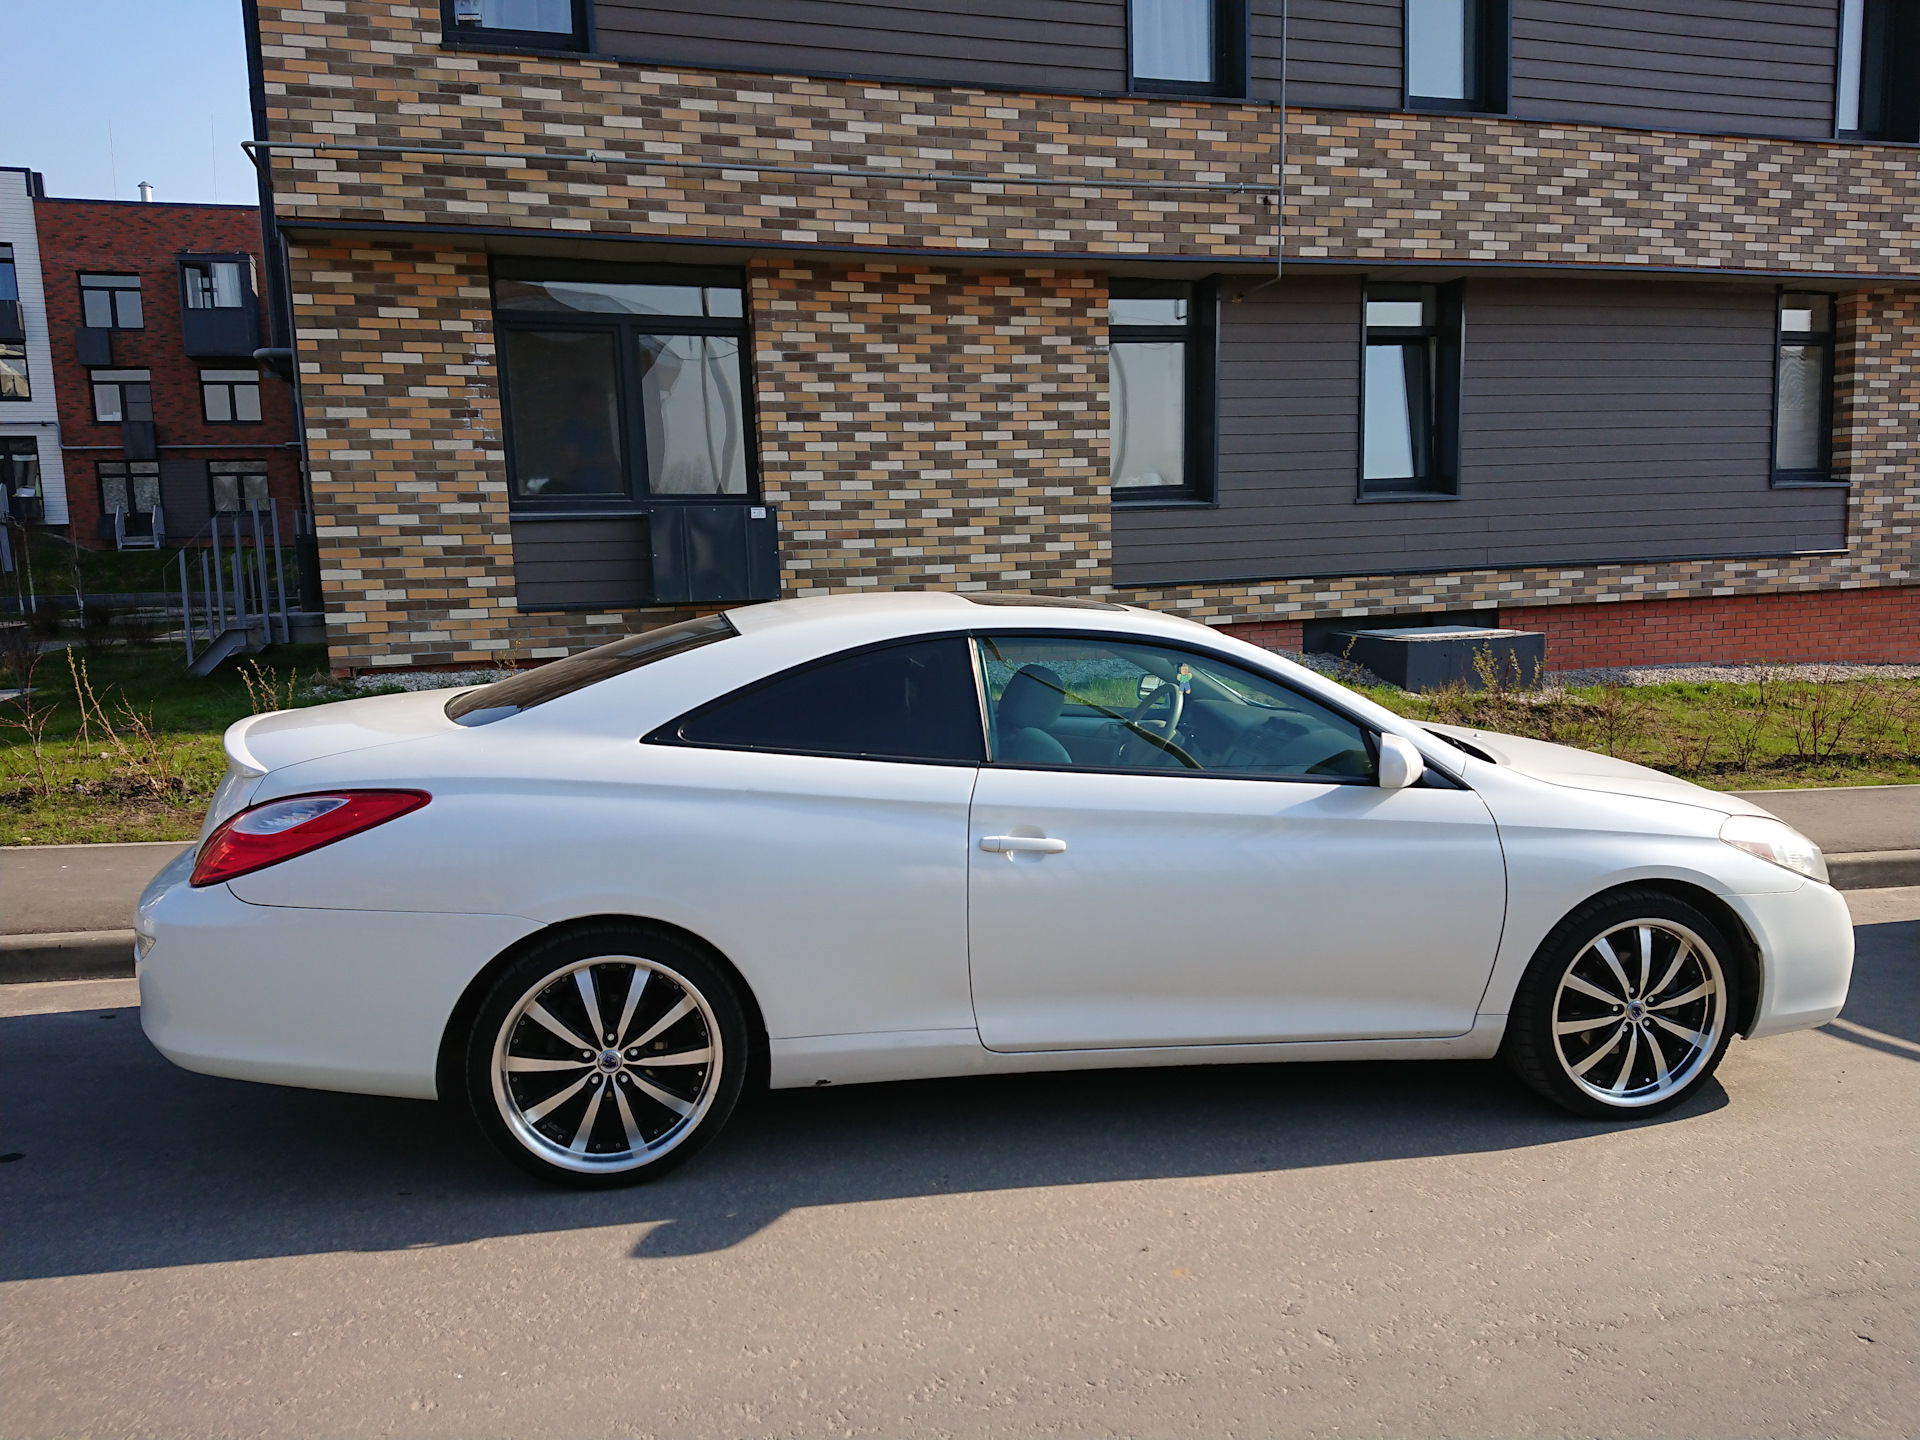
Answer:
[(894, 836)]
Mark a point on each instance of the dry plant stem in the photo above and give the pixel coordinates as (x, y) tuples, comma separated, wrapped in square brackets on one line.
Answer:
[(31, 723)]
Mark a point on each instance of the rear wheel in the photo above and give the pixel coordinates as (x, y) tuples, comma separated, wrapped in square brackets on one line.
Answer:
[(1626, 1008), (606, 1056)]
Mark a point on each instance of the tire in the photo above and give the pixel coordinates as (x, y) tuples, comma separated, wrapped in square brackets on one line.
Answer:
[(606, 1114), (1626, 1008)]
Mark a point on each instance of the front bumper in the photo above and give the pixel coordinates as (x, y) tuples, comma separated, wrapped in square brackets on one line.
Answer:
[(350, 1000), (1806, 956)]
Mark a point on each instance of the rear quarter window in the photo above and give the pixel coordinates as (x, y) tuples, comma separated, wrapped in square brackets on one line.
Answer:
[(589, 667)]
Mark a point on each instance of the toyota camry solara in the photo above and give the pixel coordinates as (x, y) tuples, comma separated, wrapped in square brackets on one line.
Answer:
[(881, 837)]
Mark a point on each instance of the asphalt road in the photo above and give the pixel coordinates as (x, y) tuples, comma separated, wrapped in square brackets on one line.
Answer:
[(1356, 1250)]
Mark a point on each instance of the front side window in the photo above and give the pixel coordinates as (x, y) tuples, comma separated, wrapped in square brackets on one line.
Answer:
[(1456, 55), (913, 701), (237, 485), (121, 395), (216, 284), (1877, 96), (13, 373), (129, 486), (230, 397), (1410, 400), (622, 389), (1160, 390), (543, 24), (1190, 47), (1803, 390), (1098, 704), (111, 302)]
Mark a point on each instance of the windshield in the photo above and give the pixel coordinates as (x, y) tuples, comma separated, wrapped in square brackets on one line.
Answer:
[(589, 667)]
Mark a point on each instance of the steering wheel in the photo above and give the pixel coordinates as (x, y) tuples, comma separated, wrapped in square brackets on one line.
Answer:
[(1136, 723)]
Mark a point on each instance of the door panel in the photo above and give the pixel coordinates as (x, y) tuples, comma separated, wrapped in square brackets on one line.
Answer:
[(1192, 910)]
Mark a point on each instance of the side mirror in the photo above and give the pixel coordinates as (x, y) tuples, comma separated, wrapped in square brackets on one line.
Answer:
[(1400, 762)]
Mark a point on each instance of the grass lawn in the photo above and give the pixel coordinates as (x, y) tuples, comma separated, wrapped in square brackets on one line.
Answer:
[(103, 572), (137, 756)]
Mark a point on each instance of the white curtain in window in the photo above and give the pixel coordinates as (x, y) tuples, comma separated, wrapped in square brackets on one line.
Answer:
[(1172, 39), (1389, 439), (1437, 48), (694, 414), (1801, 371), (1147, 398), (553, 16)]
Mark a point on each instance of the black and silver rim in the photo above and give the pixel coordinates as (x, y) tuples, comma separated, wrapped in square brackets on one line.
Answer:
[(1639, 1012), (607, 1064)]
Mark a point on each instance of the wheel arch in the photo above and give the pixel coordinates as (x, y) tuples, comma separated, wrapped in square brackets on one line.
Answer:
[(447, 1062)]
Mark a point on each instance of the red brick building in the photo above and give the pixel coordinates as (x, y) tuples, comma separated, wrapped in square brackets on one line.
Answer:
[(165, 418)]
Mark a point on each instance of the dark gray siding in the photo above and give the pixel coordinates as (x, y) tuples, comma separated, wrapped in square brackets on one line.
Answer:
[(582, 564), (1600, 422), (1763, 66), (1038, 44), (1339, 53)]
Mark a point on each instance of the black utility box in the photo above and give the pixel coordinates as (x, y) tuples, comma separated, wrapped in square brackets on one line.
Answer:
[(714, 554), (1433, 657)]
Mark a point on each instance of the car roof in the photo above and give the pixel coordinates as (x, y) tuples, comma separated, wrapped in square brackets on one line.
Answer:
[(922, 609)]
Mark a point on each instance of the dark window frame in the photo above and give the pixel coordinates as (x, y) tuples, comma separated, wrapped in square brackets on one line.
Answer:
[(1889, 55), (206, 414), (202, 261), (1492, 55), (126, 473), (1445, 357), (1201, 336), (636, 498), (242, 475), (1821, 475), (578, 40), (9, 267), (138, 288), (1232, 72), (669, 733), (93, 401)]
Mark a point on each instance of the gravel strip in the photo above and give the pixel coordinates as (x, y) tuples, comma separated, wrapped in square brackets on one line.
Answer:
[(1729, 674)]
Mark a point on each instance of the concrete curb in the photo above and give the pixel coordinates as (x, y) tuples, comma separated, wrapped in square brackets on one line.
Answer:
[(1874, 869), (66, 955)]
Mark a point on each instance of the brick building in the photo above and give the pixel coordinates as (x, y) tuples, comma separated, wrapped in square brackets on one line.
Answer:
[(159, 414), (1598, 317)]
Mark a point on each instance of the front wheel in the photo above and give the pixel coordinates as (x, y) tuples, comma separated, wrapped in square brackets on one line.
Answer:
[(1626, 1008), (606, 1056)]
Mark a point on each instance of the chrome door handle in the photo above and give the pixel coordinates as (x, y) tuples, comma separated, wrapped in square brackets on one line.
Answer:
[(1008, 844)]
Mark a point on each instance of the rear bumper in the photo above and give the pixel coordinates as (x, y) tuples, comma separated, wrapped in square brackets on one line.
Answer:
[(1806, 956), (327, 999)]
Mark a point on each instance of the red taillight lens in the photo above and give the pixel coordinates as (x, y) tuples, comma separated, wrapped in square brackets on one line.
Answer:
[(281, 829)]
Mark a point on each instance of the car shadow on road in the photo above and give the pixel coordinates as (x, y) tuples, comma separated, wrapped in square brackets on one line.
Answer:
[(127, 1163)]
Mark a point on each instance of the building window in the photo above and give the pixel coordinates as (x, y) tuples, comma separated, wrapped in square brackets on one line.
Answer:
[(111, 302), (216, 284), (623, 384), (13, 373), (231, 397), (1878, 94), (1457, 55), (1803, 391), (121, 395), (1160, 399), (237, 485), (541, 24), (9, 278), (1187, 47), (20, 477), (129, 486), (1410, 403)]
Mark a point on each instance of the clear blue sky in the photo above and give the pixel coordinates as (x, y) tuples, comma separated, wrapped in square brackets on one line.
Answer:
[(168, 76)]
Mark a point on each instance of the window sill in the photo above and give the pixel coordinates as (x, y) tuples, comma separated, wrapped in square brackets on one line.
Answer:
[(1418, 106), (1162, 502), (1810, 482), (1148, 90), (568, 46), (1397, 497)]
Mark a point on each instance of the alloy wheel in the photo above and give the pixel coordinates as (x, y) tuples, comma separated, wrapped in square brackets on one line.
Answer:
[(1639, 1012), (607, 1064)]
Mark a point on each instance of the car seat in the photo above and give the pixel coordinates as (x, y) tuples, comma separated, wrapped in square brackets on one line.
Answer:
[(1028, 706)]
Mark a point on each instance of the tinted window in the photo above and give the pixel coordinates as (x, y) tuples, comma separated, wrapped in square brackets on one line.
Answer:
[(589, 667), (905, 702), (1120, 705)]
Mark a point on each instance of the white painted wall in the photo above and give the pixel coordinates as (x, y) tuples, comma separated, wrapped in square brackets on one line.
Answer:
[(40, 416)]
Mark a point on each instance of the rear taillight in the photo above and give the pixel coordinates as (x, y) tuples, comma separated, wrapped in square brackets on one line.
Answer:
[(281, 829)]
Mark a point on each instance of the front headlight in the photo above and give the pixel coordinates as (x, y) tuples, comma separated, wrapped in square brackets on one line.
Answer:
[(1780, 843)]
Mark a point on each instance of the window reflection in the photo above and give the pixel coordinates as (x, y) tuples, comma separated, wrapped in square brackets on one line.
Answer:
[(1172, 40), (1147, 394), (695, 418), (566, 418)]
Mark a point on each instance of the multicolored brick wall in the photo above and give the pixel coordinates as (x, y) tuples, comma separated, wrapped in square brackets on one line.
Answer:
[(363, 72), (923, 427), (131, 238)]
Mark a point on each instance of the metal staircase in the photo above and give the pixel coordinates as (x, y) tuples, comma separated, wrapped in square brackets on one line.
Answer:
[(241, 607)]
